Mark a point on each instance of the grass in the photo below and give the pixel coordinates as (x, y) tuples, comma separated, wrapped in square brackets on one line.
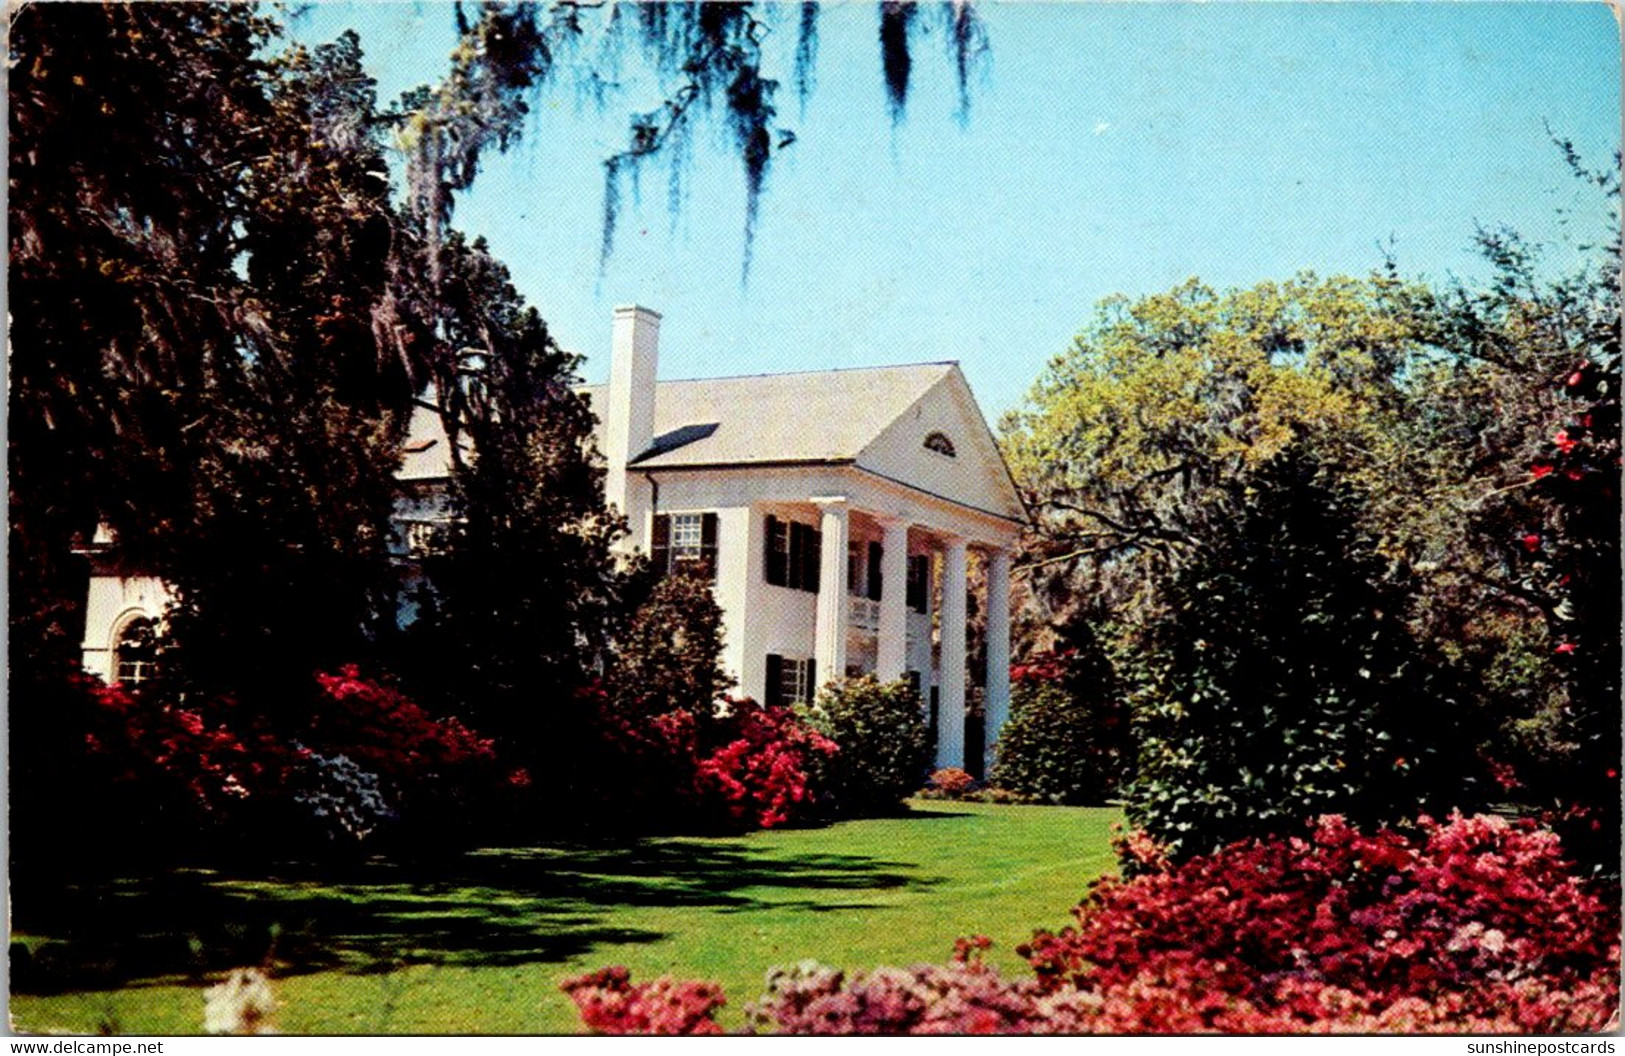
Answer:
[(477, 943)]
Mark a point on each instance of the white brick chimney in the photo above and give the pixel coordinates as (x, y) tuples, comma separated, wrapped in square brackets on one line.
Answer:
[(629, 414)]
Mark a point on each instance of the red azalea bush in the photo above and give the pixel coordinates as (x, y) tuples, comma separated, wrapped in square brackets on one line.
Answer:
[(1468, 924), (362, 750), (744, 765), (951, 782), (203, 757), (759, 772), (383, 730)]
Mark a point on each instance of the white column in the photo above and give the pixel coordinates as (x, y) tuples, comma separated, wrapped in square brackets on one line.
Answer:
[(998, 648), (891, 652), (830, 652), (951, 712)]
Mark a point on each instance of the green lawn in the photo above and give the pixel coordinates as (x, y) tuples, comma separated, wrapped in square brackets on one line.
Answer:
[(478, 942)]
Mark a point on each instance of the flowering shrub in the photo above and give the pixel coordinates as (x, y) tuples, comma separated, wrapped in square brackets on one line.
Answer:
[(759, 773), (1469, 924), (205, 757), (242, 1003), (610, 1003), (951, 782), (1568, 555), (383, 730), (363, 753), (962, 997), (340, 796)]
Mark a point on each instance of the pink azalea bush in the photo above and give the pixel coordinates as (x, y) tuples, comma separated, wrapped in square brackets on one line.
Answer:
[(610, 1003)]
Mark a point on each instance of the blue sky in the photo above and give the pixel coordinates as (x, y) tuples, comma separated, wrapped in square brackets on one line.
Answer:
[(1111, 148)]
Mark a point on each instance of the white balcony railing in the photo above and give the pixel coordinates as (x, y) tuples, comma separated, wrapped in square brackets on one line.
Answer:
[(863, 615)]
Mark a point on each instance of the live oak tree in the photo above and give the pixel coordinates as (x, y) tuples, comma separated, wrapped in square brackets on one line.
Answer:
[(1130, 439), (200, 240)]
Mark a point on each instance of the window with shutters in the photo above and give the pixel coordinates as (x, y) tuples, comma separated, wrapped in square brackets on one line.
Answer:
[(777, 558), (790, 680)]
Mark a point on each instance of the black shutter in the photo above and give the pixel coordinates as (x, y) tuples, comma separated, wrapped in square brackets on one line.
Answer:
[(798, 545), (815, 559), (919, 571), (776, 556), (812, 680), (708, 543), (660, 544), (773, 689), (876, 552), (804, 546)]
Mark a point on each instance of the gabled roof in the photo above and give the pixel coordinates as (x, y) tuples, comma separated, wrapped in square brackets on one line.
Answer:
[(813, 416)]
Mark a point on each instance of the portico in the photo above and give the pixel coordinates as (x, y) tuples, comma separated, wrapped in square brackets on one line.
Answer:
[(880, 574)]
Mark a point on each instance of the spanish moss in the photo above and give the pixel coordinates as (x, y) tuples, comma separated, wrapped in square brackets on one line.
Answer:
[(897, 19), (805, 75), (967, 42)]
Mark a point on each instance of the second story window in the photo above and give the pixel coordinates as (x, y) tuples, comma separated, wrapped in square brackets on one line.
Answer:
[(685, 541), (425, 538)]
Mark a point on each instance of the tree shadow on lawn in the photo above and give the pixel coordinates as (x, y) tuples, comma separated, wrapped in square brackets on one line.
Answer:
[(487, 908)]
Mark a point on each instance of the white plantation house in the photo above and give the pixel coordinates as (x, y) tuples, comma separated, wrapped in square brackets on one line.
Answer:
[(832, 507)]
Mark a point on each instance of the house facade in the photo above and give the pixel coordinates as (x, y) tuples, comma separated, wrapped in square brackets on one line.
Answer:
[(838, 511)]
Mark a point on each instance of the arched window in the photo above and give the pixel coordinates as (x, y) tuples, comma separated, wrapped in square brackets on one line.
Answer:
[(940, 443), (136, 654)]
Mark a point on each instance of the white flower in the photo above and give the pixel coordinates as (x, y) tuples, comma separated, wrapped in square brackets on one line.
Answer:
[(242, 1004)]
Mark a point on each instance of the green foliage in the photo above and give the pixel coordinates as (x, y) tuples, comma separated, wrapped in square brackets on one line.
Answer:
[(884, 746), (1059, 747), (1131, 438), (199, 244), (670, 656), (1284, 682), (523, 596)]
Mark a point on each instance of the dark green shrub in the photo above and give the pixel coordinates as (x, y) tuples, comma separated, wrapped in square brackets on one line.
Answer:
[(883, 745), (670, 656), (1058, 747), (1284, 683)]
